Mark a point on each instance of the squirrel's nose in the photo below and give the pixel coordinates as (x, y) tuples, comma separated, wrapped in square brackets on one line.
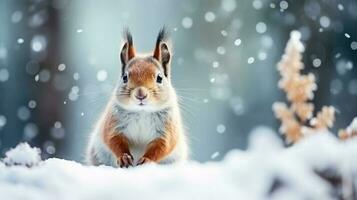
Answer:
[(141, 97), (141, 94)]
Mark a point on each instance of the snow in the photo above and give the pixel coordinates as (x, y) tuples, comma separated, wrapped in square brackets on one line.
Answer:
[(23, 113), (261, 27), (266, 170), (215, 155), (20, 40), (3, 121), (228, 5), (237, 42), (23, 155), (32, 104), (283, 5), (340, 7), (354, 45), (102, 75), (210, 16), (221, 50), (38, 43), (215, 64), (16, 16), (73, 94), (316, 62), (224, 33), (257, 4), (187, 22), (4, 75), (221, 128), (61, 67), (295, 37)]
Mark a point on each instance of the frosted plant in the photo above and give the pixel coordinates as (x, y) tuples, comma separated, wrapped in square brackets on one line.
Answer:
[(350, 131), (299, 89)]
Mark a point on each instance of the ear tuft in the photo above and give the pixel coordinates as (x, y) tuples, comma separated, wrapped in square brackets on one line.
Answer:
[(162, 51), (127, 36), (163, 35), (128, 51)]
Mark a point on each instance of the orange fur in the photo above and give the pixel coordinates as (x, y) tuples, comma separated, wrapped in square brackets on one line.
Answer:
[(162, 146), (131, 52), (157, 52), (116, 141), (142, 73)]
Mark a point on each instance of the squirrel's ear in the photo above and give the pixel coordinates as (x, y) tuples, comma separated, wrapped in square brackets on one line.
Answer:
[(162, 51), (127, 51)]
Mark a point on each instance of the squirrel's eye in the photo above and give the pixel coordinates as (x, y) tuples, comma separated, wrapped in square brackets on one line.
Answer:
[(159, 79), (125, 78)]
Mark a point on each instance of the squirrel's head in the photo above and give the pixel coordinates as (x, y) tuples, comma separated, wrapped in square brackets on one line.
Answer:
[(145, 80)]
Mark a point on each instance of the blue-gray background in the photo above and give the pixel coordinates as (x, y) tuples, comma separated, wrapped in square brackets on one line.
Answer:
[(59, 62)]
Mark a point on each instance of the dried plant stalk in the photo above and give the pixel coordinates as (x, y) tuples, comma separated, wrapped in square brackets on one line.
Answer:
[(299, 89), (350, 131)]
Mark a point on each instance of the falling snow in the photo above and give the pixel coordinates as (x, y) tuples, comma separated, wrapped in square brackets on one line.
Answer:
[(354, 45), (210, 16), (224, 59), (215, 155), (221, 128), (20, 40), (2, 121), (38, 43), (261, 27), (187, 22), (221, 50), (4, 75), (102, 75), (73, 94), (215, 64), (229, 5), (32, 104), (23, 113), (61, 67), (316, 62), (283, 5), (251, 60), (257, 4)]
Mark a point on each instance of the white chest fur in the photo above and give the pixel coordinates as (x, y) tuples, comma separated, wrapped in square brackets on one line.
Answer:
[(142, 127)]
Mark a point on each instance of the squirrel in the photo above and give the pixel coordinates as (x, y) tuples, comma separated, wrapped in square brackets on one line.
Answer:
[(142, 120)]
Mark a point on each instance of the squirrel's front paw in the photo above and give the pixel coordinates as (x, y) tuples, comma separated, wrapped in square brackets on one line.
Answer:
[(143, 160), (125, 160)]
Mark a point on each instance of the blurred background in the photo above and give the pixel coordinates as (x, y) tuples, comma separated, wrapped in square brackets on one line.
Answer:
[(59, 62)]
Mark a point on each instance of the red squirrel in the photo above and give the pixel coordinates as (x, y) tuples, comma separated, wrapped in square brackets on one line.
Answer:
[(142, 120)]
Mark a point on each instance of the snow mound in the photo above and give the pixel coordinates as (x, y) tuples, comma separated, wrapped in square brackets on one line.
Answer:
[(24, 155), (318, 167)]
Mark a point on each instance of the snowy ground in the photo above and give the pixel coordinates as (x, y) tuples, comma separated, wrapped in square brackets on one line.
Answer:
[(265, 171)]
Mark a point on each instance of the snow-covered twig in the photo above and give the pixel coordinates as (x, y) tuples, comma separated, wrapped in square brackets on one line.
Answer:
[(350, 131)]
